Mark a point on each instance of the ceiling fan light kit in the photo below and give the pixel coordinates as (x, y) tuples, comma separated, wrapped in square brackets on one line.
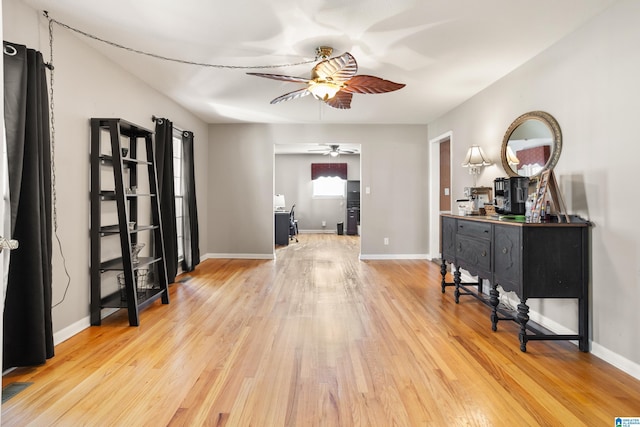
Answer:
[(323, 90), (333, 81), (334, 150)]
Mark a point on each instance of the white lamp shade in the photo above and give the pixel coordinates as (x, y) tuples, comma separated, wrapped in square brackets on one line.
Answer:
[(475, 157), (512, 159)]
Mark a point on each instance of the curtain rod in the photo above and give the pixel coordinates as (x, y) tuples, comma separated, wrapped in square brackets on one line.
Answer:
[(154, 118), (12, 51)]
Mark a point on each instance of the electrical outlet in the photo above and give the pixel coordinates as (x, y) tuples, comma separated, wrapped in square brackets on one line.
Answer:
[(386, 240), (324, 223)]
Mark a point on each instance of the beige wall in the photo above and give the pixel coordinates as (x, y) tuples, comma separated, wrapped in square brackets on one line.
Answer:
[(393, 165), (89, 85), (589, 83)]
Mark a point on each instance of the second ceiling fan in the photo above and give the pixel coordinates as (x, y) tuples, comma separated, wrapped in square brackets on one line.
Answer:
[(334, 150), (334, 81)]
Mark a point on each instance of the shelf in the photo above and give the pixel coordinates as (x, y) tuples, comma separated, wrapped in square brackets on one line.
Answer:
[(108, 230), (107, 160), (117, 265), (118, 135), (134, 195), (111, 195), (126, 128), (107, 195), (145, 297)]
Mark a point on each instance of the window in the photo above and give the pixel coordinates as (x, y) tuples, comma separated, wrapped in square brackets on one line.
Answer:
[(328, 187), (177, 186)]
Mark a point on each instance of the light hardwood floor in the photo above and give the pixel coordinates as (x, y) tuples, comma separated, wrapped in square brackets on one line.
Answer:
[(317, 338)]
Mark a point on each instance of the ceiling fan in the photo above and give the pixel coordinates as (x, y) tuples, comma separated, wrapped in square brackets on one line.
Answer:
[(334, 81), (334, 150)]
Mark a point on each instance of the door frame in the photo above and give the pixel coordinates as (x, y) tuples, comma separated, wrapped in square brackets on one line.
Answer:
[(434, 192), (319, 145)]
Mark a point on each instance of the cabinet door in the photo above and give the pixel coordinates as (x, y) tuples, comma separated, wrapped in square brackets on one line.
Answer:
[(448, 228), (474, 255), (553, 262), (507, 258)]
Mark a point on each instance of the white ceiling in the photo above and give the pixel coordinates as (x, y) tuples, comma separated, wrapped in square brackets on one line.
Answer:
[(445, 51)]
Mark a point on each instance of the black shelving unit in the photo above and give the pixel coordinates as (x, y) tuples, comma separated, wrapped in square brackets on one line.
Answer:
[(109, 136)]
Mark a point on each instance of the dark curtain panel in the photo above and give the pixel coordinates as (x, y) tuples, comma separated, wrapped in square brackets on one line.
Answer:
[(28, 334), (328, 169), (164, 165), (190, 214)]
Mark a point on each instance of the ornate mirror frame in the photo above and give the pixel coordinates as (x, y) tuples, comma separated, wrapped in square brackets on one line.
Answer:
[(555, 133)]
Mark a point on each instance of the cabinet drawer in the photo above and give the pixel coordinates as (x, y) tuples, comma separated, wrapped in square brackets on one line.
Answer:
[(474, 255), (479, 230)]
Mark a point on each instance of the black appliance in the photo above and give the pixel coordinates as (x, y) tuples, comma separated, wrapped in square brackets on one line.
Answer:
[(511, 195)]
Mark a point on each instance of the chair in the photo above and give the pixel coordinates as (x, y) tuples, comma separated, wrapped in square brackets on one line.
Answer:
[(293, 225)]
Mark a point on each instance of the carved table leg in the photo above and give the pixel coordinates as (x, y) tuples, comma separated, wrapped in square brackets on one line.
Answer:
[(494, 300), (456, 280), (443, 271), (523, 318)]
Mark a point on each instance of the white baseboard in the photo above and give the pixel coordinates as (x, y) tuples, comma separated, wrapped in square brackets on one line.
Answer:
[(237, 256), (597, 350), (392, 256), (322, 231), (616, 360), (66, 333)]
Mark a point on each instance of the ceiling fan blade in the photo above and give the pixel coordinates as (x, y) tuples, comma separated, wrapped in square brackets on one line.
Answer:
[(339, 69), (281, 77), (291, 95), (370, 84), (342, 100)]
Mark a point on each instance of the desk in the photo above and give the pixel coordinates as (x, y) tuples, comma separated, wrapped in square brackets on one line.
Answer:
[(548, 260), (281, 227)]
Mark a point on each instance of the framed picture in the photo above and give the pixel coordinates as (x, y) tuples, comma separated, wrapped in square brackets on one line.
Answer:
[(483, 195), (548, 187), (541, 194)]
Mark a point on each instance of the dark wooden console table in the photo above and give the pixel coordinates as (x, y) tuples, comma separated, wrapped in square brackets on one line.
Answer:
[(546, 260)]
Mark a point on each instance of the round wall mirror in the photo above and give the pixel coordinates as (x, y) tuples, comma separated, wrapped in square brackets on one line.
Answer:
[(531, 145)]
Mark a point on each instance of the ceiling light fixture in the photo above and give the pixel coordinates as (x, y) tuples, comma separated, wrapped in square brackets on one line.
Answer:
[(334, 150), (475, 160), (333, 81), (323, 91)]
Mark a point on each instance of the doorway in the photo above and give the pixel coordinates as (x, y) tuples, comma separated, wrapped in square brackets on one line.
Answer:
[(439, 187), (318, 213)]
